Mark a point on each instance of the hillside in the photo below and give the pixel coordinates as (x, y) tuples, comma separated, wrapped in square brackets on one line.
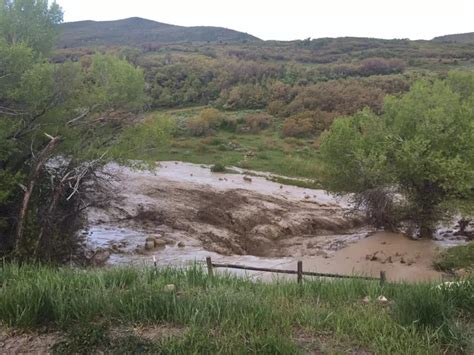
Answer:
[(456, 38), (140, 32)]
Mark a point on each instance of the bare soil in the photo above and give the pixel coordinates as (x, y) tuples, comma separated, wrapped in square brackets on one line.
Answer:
[(17, 342)]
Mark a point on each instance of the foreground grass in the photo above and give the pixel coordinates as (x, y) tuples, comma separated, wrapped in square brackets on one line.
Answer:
[(233, 315)]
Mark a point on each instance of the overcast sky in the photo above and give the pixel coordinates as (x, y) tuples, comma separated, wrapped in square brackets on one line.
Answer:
[(293, 19)]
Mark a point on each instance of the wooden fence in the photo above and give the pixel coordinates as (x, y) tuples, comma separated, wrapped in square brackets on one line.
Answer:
[(299, 272)]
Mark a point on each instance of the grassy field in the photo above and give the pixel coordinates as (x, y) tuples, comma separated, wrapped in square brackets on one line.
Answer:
[(265, 151), (101, 310)]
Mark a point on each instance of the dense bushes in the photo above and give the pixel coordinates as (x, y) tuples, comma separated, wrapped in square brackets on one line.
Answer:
[(205, 123), (254, 123), (307, 123)]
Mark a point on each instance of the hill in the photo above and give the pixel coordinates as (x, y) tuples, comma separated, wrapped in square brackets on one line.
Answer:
[(456, 38), (138, 32)]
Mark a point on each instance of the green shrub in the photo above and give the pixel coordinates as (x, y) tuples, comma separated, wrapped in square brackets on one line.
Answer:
[(218, 168), (456, 258), (208, 121)]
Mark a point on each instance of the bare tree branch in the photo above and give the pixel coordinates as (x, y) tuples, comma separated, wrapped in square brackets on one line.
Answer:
[(42, 158)]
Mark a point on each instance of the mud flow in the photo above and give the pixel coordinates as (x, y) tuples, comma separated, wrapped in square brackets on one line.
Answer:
[(180, 213)]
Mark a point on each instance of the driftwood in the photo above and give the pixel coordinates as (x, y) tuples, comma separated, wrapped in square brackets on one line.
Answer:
[(71, 179)]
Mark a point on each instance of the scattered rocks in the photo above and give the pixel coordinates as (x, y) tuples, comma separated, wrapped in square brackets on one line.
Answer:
[(372, 257)]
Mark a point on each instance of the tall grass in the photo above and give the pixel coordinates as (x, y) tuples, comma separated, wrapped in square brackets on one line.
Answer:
[(227, 314)]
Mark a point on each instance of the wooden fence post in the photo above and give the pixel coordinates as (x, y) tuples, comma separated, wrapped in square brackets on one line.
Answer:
[(209, 266), (383, 278), (300, 271)]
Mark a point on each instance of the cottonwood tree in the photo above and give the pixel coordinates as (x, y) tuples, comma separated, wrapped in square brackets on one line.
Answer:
[(57, 121), (420, 149)]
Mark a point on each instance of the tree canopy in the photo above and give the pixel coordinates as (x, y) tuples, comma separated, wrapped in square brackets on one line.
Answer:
[(30, 22), (422, 145), (56, 120)]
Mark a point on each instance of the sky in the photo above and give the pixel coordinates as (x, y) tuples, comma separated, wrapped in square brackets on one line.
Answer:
[(292, 19)]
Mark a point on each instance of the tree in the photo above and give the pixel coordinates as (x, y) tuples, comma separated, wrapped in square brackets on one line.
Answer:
[(30, 22), (57, 121), (421, 147)]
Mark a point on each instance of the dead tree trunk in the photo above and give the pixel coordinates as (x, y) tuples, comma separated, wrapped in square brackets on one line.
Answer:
[(41, 160)]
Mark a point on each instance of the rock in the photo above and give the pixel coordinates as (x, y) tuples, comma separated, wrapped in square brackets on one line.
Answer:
[(366, 300), (410, 262), (382, 299), (246, 178), (402, 261), (140, 250), (169, 288), (100, 257), (150, 245), (181, 245), (159, 243), (372, 257)]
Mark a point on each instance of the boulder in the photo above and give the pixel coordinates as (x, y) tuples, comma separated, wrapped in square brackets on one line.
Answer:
[(150, 245), (160, 243), (100, 257)]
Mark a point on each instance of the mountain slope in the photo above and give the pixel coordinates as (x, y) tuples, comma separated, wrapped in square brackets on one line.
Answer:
[(138, 32), (456, 38)]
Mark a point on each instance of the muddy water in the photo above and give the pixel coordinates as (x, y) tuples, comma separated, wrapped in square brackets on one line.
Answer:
[(201, 174), (177, 202)]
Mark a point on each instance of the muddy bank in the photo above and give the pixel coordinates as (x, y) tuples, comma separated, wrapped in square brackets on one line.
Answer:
[(180, 213)]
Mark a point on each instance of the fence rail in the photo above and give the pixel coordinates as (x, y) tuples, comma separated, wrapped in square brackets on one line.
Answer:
[(299, 272)]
